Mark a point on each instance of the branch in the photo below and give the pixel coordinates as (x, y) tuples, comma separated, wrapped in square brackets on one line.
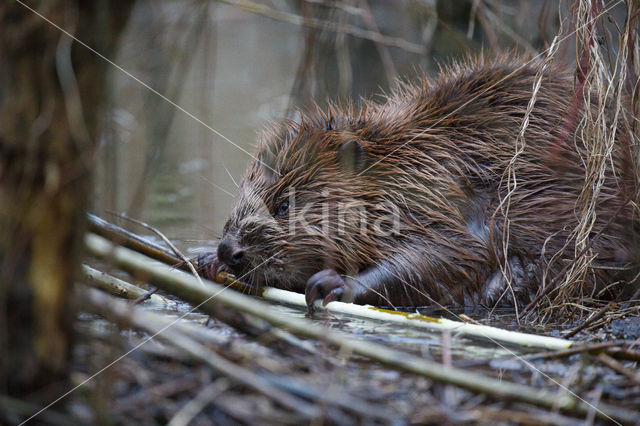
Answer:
[(421, 321)]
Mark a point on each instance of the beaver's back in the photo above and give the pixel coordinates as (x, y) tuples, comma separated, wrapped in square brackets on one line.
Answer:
[(458, 140)]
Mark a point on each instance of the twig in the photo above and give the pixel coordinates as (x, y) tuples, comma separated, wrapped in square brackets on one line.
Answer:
[(619, 368), (110, 284), (385, 56), (418, 320), (116, 286), (591, 319), (191, 409), (343, 400), (148, 395), (132, 241), (121, 236), (624, 353), (492, 415), (593, 348), (210, 296), (146, 296), (175, 250)]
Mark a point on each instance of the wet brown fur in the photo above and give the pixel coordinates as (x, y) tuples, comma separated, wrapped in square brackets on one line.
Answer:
[(433, 154)]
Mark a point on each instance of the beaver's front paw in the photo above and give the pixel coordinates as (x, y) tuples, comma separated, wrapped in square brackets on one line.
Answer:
[(327, 285)]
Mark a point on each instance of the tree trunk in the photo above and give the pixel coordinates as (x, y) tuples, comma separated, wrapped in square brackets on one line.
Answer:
[(51, 93)]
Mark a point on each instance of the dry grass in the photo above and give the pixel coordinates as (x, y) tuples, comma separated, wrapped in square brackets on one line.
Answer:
[(604, 72)]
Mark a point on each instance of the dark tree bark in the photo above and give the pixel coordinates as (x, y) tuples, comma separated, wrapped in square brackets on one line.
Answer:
[(51, 93)]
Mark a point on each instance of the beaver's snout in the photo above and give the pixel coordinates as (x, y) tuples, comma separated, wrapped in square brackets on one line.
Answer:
[(231, 253)]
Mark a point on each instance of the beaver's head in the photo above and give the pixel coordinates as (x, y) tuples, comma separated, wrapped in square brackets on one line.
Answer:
[(305, 204)]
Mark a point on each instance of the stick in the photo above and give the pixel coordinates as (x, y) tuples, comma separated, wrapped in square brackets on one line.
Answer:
[(146, 296), (593, 348), (134, 242), (117, 287), (575, 349), (184, 261), (591, 320), (191, 409), (619, 368), (624, 353), (421, 321)]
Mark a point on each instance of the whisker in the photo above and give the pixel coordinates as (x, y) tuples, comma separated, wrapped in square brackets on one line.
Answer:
[(231, 176)]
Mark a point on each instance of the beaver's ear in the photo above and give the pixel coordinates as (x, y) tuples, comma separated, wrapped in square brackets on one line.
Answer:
[(351, 156)]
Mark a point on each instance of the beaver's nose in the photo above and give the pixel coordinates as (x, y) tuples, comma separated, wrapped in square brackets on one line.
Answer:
[(230, 253)]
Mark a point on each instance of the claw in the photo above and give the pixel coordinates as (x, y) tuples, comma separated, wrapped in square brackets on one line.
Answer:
[(334, 294), (326, 284)]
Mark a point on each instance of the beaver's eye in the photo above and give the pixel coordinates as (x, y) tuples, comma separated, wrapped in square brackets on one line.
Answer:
[(283, 209)]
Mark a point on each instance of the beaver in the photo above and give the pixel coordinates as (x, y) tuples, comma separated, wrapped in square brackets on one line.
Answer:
[(407, 202)]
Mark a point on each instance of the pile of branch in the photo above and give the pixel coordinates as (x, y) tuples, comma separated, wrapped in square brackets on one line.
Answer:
[(256, 362)]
